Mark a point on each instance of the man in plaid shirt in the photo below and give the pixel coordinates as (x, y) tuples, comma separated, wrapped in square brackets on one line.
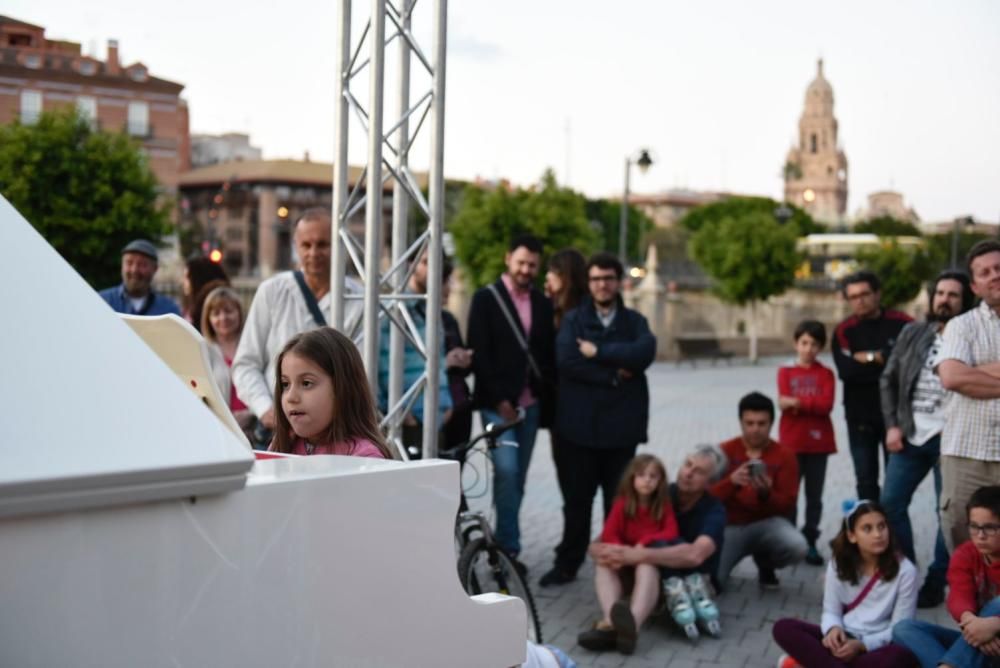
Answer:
[(969, 366)]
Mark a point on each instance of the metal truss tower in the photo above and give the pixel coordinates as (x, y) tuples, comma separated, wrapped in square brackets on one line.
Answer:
[(384, 292)]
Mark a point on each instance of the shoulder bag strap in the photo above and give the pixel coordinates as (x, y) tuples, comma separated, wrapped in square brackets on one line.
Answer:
[(864, 593), (518, 334), (310, 298)]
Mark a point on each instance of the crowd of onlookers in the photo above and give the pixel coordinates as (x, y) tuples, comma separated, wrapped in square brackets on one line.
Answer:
[(572, 359)]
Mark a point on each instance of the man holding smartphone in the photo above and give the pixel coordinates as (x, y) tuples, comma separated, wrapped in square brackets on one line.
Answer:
[(759, 490)]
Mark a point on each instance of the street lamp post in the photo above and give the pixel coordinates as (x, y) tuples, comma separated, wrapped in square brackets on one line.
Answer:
[(643, 160), (955, 228)]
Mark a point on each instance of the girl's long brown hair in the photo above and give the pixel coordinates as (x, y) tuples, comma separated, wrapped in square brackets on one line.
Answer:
[(626, 488), (847, 556), (354, 414), (572, 269)]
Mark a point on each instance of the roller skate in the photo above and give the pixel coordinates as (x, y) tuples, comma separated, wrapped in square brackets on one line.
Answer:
[(681, 610), (704, 607)]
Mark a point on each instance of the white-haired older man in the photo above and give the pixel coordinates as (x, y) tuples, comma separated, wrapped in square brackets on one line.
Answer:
[(701, 521)]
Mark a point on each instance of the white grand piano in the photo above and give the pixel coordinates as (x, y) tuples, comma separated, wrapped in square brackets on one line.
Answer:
[(136, 529)]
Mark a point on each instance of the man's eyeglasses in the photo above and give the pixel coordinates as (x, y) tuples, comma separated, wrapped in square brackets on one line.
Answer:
[(603, 278), (860, 295), (988, 530)]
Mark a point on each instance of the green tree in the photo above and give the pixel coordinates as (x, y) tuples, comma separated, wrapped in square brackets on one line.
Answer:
[(903, 271), (741, 207), (750, 258), (939, 247), (608, 215), (87, 192), (887, 226), (488, 219)]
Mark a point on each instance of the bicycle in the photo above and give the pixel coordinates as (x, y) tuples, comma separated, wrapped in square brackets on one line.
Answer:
[(483, 566)]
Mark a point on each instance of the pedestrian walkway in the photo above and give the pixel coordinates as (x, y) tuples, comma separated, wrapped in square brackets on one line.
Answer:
[(691, 406)]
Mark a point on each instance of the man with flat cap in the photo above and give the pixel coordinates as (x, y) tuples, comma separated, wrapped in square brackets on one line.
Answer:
[(135, 295)]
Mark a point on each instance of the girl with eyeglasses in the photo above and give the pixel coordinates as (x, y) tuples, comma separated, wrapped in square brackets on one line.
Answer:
[(869, 587), (973, 588)]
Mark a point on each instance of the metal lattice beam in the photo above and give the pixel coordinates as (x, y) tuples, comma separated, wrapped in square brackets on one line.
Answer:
[(384, 294)]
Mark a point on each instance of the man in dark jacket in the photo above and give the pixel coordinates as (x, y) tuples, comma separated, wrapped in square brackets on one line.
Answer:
[(602, 351), (913, 409), (511, 334), (861, 346)]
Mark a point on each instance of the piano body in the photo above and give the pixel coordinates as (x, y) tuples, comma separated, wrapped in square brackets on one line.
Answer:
[(137, 529)]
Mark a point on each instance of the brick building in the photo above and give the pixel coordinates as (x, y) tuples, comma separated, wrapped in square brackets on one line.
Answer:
[(246, 208), (40, 74)]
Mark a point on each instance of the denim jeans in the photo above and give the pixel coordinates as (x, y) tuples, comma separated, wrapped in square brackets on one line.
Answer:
[(904, 472), (865, 439), (510, 469), (935, 644)]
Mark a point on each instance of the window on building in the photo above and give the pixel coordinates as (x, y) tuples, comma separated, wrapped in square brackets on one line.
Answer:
[(88, 67), (138, 119), (31, 106), (86, 106), (138, 73), (33, 61), (812, 143)]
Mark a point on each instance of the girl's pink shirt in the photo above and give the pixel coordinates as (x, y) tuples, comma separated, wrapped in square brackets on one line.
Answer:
[(361, 447)]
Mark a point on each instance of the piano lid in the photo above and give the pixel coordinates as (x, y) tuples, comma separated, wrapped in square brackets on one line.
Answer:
[(90, 415)]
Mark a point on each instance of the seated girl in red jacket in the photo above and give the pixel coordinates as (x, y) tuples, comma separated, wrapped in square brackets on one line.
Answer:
[(973, 588), (641, 515), (805, 396)]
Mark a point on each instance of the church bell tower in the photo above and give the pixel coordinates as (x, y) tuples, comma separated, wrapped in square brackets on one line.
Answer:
[(816, 170)]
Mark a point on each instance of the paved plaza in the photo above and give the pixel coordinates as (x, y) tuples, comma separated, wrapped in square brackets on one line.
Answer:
[(690, 406)]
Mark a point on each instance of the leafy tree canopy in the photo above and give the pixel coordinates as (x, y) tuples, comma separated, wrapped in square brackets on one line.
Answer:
[(887, 226), (87, 192), (939, 247), (737, 208), (902, 270), (608, 215), (751, 257), (488, 219)]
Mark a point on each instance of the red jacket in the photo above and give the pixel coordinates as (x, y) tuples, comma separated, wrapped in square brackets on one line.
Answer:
[(807, 429), (972, 583), (742, 503), (639, 530)]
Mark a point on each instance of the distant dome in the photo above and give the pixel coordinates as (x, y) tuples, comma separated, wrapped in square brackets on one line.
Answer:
[(820, 92)]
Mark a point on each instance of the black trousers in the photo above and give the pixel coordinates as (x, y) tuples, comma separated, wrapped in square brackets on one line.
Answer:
[(812, 467), (584, 471)]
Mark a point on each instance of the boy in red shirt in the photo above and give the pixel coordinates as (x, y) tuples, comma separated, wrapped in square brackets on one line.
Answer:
[(805, 396), (759, 489), (973, 585)]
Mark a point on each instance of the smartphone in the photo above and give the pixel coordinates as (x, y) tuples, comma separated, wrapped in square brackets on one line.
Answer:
[(757, 468)]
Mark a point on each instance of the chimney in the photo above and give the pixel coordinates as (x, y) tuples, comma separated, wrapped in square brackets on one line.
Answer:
[(113, 66), (305, 157)]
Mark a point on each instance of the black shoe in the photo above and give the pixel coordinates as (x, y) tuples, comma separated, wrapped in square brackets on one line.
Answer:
[(556, 576), (598, 639), (767, 579), (931, 595), (813, 557), (624, 623)]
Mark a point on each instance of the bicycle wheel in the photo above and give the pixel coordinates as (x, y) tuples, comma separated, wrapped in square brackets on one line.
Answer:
[(485, 568)]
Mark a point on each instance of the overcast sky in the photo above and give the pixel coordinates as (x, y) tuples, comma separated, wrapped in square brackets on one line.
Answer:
[(714, 88)]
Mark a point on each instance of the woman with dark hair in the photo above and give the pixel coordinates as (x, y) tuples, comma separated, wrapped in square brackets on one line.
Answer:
[(198, 273), (566, 281), (566, 286)]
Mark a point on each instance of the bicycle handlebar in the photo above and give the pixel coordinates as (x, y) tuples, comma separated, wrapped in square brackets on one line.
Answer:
[(491, 433)]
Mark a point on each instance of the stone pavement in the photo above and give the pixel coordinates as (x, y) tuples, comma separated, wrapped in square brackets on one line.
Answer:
[(691, 406)]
